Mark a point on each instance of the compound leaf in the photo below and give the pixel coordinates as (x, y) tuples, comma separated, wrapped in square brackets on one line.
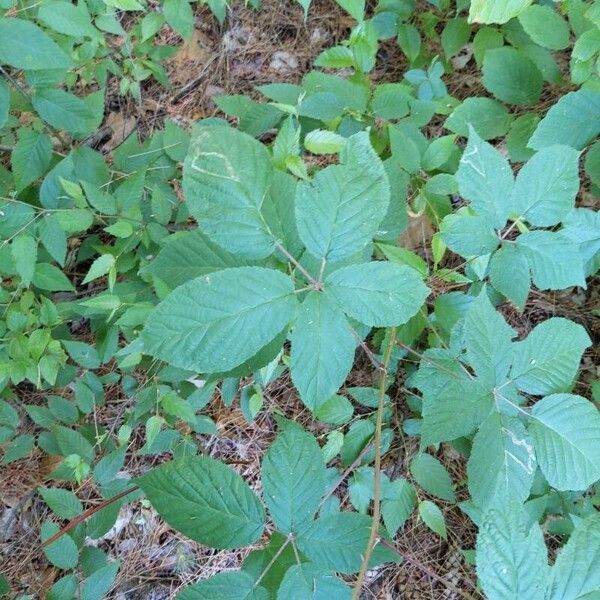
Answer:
[(206, 501), (215, 323)]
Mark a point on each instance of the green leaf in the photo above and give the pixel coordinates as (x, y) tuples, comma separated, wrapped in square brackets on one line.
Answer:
[(521, 130), (486, 180), (468, 235), (229, 585), (311, 582), (509, 274), (455, 36), (322, 349), (23, 45), (432, 476), (337, 542), (215, 323), (322, 141), (391, 101), (398, 502), (24, 250), (511, 555), (573, 121), (339, 212), (547, 185), (53, 238), (472, 399), (70, 442), (547, 360), (63, 110), (336, 411), (575, 573), (582, 227), (271, 562), (226, 176), (50, 278), (402, 256), (180, 16), (566, 434), (4, 102), (554, 260), (82, 353), (62, 553), (187, 255), (511, 76), (487, 339), (433, 517), (355, 8), (294, 479), (20, 447), (4, 586), (30, 157), (68, 19), (545, 27), (62, 502), (489, 118), (65, 587), (206, 501), (100, 582), (438, 152), (502, 462), (379, 294), (496, 11)]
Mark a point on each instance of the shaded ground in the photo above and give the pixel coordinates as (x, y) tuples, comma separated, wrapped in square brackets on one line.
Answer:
[(255, 48)]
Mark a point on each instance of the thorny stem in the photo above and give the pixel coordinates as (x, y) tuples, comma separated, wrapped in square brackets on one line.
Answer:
[(415, 563), (88, 513), (374, 535)]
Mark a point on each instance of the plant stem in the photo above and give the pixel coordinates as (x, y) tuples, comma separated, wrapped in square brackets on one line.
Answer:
[(374, 535), (88, 513), (309, 277)]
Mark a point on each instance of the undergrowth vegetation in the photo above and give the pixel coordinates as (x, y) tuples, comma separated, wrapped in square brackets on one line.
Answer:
[(267, 246)]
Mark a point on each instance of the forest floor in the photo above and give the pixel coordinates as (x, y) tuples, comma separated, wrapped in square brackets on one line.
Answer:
[(253, 48)]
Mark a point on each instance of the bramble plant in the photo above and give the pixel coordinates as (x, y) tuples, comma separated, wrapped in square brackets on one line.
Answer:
[(216, 260)]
